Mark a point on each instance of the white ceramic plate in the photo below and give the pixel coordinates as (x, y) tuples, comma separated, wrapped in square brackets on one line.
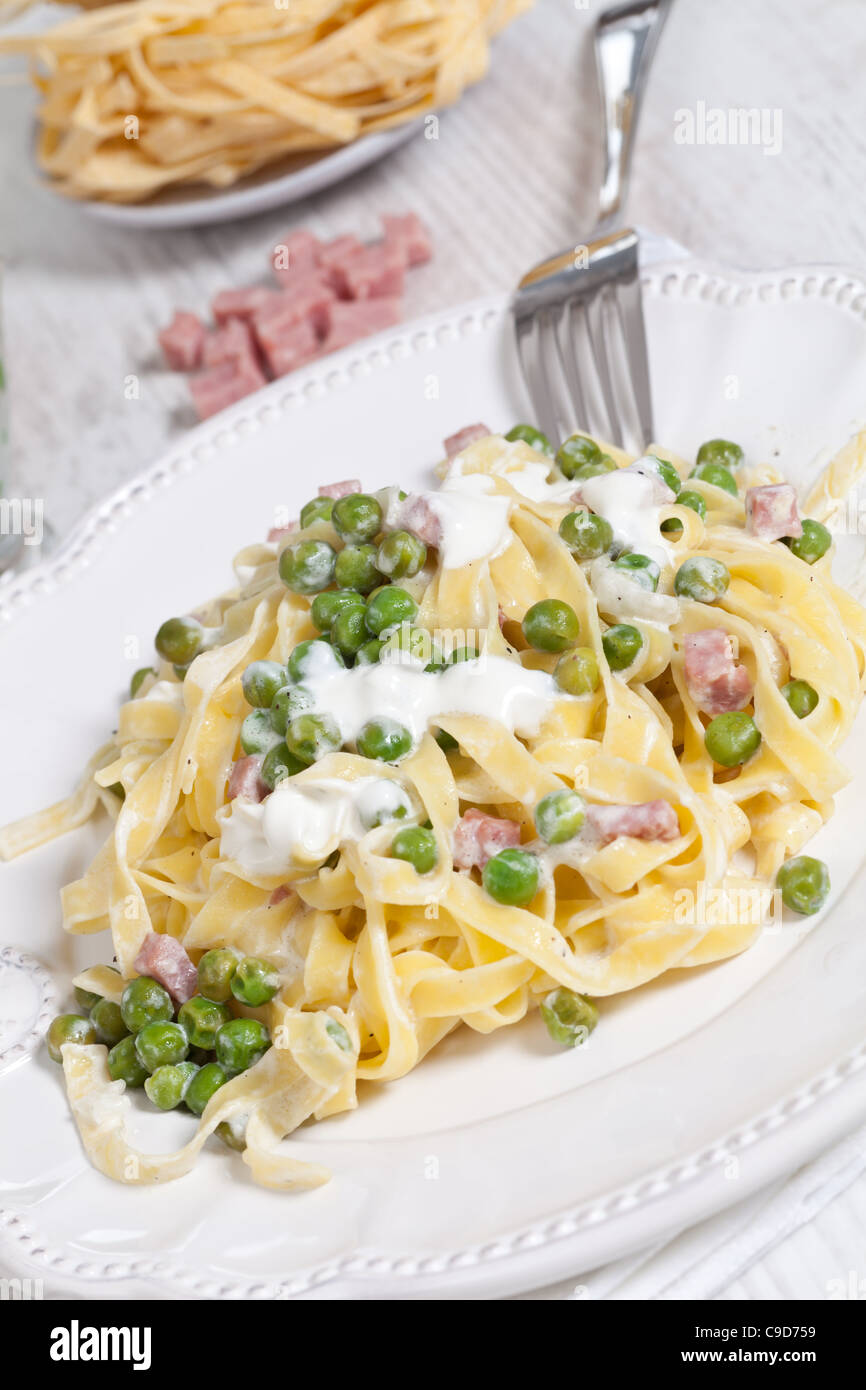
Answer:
[(272, 187), (501, 1163)]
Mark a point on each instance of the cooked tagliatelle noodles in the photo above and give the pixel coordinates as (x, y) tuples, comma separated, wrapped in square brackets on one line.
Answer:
[(152, 94), (444, 758)]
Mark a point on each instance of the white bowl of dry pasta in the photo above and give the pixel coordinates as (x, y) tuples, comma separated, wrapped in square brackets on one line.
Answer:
[(196, 111), (527, 779)]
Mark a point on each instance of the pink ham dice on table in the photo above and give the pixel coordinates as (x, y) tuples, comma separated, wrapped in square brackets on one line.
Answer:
[(243, 303), (230, 343), (647, 820), (303, 298), (347, 322), (299, 251), (164, 959), (715, 680), (470, 434), (478, 837), (410, 236), (286, 346), (370, 272), (182, 342), (245, 779), (218, 387), (337, 490), (771, 512)]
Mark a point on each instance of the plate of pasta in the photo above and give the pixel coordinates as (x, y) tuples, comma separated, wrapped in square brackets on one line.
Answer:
[(523, 774)]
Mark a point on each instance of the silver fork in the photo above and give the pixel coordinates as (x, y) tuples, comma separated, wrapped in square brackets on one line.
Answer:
[(578, 315)]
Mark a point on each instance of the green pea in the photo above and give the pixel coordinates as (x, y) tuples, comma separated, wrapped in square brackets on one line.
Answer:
[(261, 681), (161, 1044), (694, 501), (401, 554), (528, 434), (405, 642), (166, 1087), (356, 568), (327, 606), (577, 450), (640, 568), (108, 1022), (801, 696), (603, 464), (289, 701), (233, 1132), (138, 679), (701, 578), (559, 816), (720, 451), (123, 1063), (586, 535), (511, 877), (206, 1082), (201, 1019), (374, 811), (804, 883), (317, 509), (814, 542), (570, 1018), (257, 732), (621, 644), (68, 1028), (667, 473), (310, 736), (279, 764), (732, 738), (469, 652), (179, 640), (215, 971), (417, 846), (447, 742), (240, 1044), (145, 1001), (312, 658), (357, 518), (349, 632), (86, 998), (390, 607), (338, 1033), (551, 625), (576, 672), (307, 566), (385, 740), (369, 654), (717, 475), (255, 982)]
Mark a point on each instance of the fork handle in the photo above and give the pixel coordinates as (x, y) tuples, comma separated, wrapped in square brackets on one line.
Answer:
[(625, 40)]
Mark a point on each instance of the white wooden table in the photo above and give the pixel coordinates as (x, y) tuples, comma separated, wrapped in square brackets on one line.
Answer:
[(511, 178)]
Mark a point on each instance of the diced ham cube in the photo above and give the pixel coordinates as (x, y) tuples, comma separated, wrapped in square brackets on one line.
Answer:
[(164, 959), (478, 837), (218, 387), (227, 344), (245, 779), (415, 514), (411, 236), (456, 443), (182, 342), (337, 490), (647, 820), (304, 297), (244, 303), (286, 346), (369, 273), (277, 533), (333, 253), (347, 322), (299, 251), (715, 680), (771, 512)]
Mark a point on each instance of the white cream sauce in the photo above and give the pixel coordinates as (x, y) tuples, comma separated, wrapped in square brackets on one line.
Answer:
[(629, 499), (302, 823)]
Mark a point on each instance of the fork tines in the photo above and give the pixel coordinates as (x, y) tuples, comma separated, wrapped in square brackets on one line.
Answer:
[(582, 346)]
